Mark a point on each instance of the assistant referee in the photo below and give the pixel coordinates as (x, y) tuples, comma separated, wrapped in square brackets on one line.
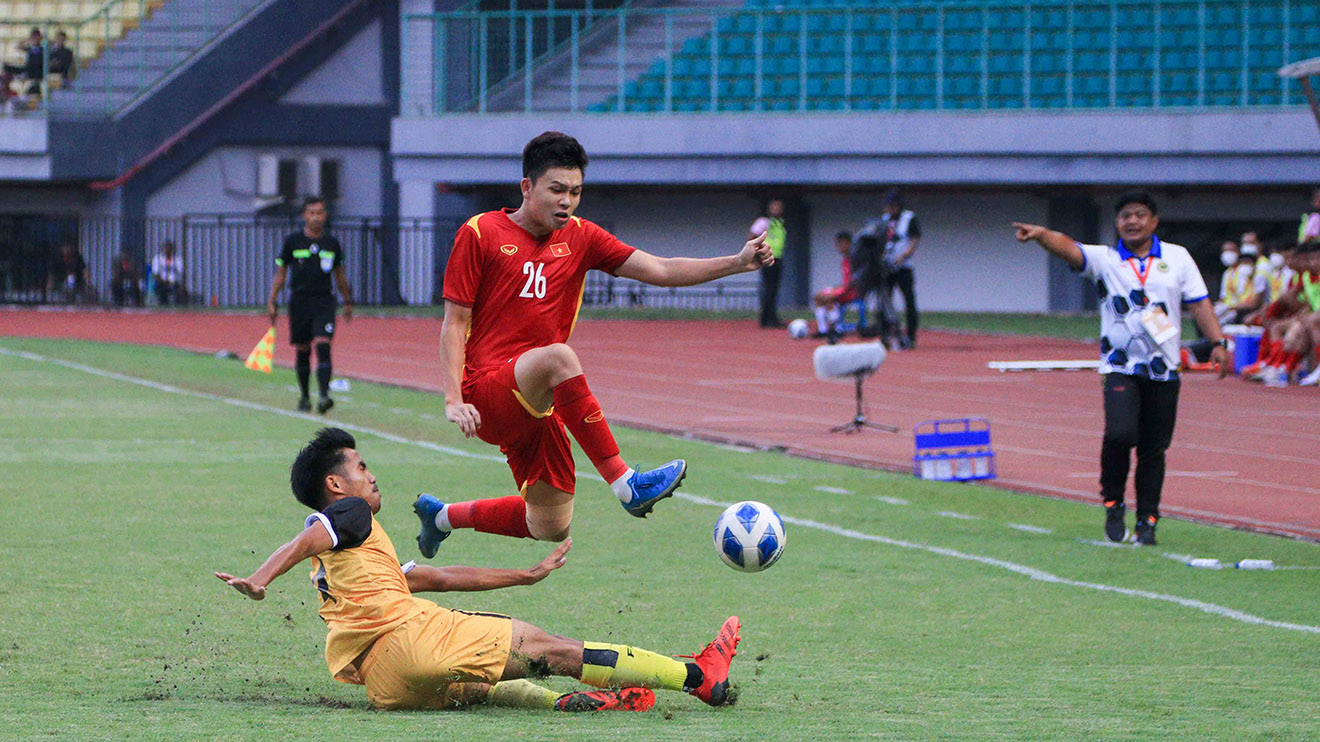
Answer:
[(1143, 284), (312, 256)]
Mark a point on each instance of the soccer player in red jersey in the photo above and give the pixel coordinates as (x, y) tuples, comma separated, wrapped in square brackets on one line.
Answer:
[(512, 289)]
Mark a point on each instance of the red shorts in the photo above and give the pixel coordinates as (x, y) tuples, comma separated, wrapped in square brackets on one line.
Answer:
[(536, 445)]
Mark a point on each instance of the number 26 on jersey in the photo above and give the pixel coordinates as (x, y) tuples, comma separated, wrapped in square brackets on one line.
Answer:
[(535, 286)]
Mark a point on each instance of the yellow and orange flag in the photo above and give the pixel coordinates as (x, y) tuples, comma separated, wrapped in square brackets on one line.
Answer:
[(260, 357)]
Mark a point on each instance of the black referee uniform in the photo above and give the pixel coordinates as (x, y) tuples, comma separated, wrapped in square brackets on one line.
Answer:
[(311, 264)]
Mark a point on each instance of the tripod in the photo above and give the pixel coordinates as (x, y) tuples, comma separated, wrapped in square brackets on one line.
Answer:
[(860, 422)]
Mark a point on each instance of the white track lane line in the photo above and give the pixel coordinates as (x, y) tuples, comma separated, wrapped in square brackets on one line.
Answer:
[(1030, 572)]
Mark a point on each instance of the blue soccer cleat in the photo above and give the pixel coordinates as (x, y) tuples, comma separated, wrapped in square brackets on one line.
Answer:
[(650, 487), (429, 539)]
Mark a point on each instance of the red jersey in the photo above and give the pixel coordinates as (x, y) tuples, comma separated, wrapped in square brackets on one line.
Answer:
[(524, 292)]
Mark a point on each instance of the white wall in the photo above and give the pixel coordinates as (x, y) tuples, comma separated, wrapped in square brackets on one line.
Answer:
[(966, 260), (225, 181)]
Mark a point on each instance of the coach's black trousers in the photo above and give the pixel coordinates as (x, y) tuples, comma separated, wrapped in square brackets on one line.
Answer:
[(1139, 413)]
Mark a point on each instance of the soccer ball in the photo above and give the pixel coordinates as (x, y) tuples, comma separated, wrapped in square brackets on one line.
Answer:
[(798, 329), (749, 536)]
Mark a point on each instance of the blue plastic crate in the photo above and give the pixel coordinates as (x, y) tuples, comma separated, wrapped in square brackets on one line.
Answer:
[(953, 450)]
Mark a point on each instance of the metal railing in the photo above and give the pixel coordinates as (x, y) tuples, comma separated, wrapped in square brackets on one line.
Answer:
[(935, 55), (97, 86), (229, 260)]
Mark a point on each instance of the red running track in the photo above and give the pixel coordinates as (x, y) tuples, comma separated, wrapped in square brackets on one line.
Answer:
[(1243, 455)]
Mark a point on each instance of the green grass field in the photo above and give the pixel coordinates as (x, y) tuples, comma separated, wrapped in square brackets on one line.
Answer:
[(882, 620)]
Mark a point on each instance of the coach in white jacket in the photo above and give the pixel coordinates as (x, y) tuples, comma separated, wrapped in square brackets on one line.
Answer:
[(1143, 284)]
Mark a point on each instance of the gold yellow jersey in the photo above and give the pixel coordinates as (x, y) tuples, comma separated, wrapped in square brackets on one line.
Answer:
[(364, 594)]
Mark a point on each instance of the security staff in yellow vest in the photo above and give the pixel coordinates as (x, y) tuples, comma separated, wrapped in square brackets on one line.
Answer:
[(1308, 232), (772, 224)]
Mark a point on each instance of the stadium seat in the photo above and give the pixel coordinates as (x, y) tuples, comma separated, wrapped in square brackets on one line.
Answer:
[(1200, 47)]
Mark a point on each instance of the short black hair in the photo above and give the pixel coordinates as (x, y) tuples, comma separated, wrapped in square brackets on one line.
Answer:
[(312, 200), (552, 149), (321, 456), (894, 196), (843, 235), (1136, 197)]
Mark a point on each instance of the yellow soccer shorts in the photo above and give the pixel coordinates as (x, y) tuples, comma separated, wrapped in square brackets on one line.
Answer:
[(414, 666)]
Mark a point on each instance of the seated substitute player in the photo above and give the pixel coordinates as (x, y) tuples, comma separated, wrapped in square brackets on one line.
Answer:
[(512, 289), (829, 313), (312, 256), (411, 653)]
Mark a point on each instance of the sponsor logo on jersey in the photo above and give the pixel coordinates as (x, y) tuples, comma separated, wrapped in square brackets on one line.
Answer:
[(595, 417), (508, 249), (560, 250)]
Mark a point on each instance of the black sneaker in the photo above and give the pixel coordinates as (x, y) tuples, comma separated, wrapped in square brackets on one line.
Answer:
[(1146, 531), (304, 404), (1114, 529), (324, 405)]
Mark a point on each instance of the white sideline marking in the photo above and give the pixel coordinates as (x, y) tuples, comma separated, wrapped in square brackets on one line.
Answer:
[(1029, 529), (1108, 544), (1030, 572), (832, 490), (956, 516), (892, 500), (769, 479)]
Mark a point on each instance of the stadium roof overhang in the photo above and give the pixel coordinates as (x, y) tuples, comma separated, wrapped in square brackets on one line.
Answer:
[(24, 149), (1241, 146)]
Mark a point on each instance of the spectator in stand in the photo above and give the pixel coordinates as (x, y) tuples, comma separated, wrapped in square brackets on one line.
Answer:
[(34, 62), (1237, 290), (1309, 230), (7, 93), (126, 281), (61, 57), (167, 272), (829, 313), (68, 275)]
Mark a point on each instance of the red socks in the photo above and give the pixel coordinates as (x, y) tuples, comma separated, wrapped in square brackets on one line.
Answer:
[(578, 409), (505, 516)]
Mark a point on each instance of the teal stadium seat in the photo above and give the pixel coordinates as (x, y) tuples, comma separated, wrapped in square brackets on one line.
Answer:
[(1202, 46)]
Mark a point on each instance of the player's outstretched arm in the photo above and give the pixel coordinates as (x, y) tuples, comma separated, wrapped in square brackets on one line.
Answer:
[(453, 342), (1055, 243), (467, 579), (312, 541), (647, 268)]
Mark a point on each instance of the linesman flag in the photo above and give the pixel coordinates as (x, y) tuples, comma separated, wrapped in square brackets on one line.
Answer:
[(260, 357)]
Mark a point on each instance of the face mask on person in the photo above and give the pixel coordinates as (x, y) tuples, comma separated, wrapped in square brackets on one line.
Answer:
[(1276, 260), (1228, 258)]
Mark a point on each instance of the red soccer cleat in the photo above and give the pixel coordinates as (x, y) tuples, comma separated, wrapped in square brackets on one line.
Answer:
[(714, 662), (623, 699)]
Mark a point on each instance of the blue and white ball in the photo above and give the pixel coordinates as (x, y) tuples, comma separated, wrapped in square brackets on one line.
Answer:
[(749, 536), (798, 329)]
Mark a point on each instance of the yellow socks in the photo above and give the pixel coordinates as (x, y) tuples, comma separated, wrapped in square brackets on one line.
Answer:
[(523, 694), (620, 666)]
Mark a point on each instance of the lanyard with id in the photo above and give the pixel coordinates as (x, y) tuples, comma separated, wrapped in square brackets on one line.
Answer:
[(1154, 320)]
